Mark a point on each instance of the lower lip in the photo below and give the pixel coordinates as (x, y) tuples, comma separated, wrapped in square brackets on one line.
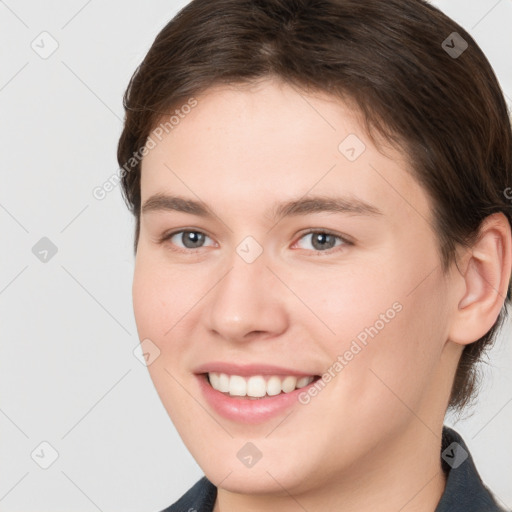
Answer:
[(247, 410)]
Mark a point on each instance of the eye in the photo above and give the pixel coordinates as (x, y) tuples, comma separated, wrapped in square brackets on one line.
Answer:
[(323, 241), (190, 239)]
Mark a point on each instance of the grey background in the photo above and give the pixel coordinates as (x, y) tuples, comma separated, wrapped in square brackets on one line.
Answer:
[(68, 373)]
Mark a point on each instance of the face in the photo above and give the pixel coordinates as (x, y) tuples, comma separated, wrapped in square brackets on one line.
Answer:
[(311, 276)]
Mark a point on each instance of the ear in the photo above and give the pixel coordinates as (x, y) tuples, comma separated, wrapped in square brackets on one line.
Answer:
[(485, 277)]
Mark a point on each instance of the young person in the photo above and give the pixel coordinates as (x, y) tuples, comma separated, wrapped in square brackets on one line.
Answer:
[(323, 248)]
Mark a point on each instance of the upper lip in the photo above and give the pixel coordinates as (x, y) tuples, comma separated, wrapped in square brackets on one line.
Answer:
[(249, 369)]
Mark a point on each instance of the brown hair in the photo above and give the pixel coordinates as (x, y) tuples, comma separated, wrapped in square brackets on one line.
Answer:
[(394, 59)]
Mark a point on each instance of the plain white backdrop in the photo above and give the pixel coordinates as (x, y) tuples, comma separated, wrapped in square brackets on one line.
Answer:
[(68, 374)]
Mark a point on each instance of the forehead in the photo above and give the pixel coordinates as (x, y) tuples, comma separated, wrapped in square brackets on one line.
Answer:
[(269, 141)]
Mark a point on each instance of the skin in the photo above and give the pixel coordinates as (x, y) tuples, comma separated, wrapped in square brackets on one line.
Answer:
[(371, 439)]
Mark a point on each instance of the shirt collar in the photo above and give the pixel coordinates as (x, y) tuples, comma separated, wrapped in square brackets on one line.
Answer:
[(464, 491)]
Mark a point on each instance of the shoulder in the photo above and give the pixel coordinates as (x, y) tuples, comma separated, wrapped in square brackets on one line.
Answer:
[(199, 498), (465, 490)]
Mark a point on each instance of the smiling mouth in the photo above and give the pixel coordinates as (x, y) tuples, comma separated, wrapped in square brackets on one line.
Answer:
[(256, 387)]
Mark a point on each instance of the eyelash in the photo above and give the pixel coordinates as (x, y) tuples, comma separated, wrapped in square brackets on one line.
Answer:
[(345, 240)]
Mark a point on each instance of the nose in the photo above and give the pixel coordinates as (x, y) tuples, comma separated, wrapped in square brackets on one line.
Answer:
[(248, 302)]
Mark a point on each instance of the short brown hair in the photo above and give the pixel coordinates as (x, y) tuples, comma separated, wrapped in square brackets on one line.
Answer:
[(446, 111)]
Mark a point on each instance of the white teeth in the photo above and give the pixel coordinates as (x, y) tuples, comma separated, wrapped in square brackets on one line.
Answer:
[(289, 384), (256, 386), (237, 385), (215, 380), (223, 383), (274, 386), (303, 381)]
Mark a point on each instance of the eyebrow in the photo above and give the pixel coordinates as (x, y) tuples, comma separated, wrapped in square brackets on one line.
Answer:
[(295, 207)]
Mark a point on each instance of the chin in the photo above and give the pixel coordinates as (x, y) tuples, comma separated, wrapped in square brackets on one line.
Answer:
[(266, 480)]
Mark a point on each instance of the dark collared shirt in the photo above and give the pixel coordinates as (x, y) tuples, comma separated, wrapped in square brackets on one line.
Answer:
[(464, 491)]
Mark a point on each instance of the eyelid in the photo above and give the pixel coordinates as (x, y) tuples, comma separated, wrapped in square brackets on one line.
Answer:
[(347, 241), (169, 234)]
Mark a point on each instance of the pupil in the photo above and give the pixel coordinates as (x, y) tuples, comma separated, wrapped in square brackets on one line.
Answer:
[(320, 239), (193, 237)]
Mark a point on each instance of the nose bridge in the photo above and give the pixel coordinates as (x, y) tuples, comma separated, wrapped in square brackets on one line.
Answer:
[(246, 299)]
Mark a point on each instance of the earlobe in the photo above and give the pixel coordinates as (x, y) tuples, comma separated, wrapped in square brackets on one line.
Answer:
[(486, 278)]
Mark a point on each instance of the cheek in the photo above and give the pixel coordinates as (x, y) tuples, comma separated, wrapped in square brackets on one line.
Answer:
[(147, 300), (343, 302), (154, 298), (388, 324), (160, 300), (166, 300)]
